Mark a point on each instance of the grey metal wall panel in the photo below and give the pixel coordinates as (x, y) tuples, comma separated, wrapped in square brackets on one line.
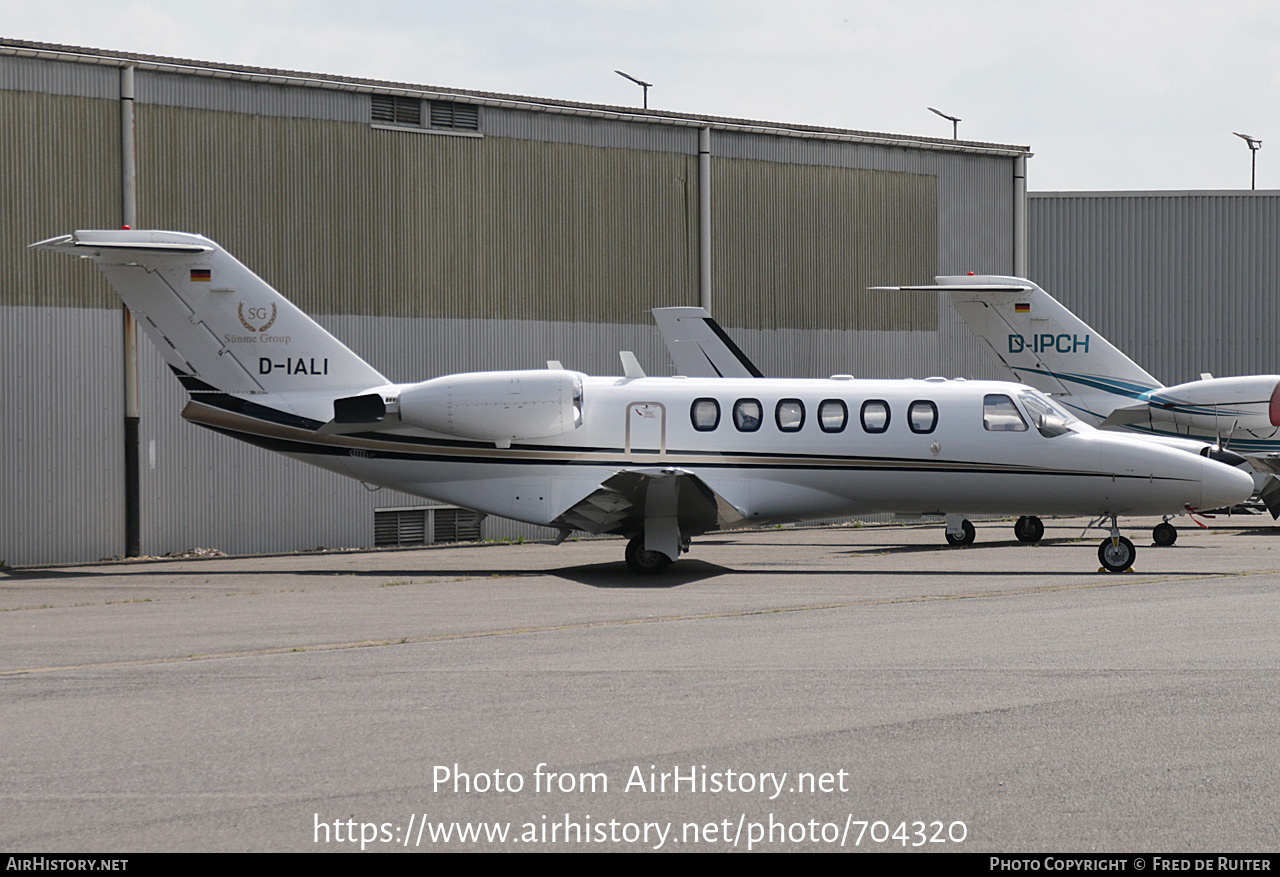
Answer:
[(62, 445), (1183, 282), (43, 76), (201, 489), (253, 98)]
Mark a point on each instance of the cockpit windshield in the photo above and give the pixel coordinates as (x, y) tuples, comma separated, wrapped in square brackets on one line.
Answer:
[(1050, 418)]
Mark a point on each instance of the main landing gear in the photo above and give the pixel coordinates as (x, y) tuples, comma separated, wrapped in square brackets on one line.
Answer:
[(643, 561), (1029, 529), (1164, 534), (960, 532)]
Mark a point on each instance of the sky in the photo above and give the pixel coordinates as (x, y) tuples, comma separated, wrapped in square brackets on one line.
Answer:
[(1115, 95)]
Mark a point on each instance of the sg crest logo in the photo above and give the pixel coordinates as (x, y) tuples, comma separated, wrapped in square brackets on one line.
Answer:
[(256, 314)]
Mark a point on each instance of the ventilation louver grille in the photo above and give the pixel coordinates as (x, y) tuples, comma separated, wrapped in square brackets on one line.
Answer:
[(424, 526)]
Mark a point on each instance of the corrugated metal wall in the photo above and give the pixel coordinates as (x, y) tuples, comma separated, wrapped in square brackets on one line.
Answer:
[(1183, 282), (797, 246), (550, 236), (347, 218), (62, 446)]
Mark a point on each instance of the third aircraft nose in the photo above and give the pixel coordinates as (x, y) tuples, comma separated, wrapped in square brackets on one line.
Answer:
[(1223, 485)]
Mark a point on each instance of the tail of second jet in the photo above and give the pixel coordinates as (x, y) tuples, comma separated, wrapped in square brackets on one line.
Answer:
[(217, 324), (1044, 344)]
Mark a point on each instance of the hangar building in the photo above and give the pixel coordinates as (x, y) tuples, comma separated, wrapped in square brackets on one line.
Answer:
[(1183, 282), (433, 230)]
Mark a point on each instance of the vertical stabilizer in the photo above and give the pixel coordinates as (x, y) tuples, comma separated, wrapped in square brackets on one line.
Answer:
[(215, 320), (699, 347), (1043, 344)]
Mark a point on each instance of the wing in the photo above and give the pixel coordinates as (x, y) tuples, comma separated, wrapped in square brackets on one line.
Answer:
[(667, 505)]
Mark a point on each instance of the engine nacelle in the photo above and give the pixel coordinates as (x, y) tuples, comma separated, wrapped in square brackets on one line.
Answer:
[(496, 406), (1221, 405)]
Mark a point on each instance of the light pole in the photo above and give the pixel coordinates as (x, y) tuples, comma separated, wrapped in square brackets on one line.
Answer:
[(1254, 145), (639, 82), (955, 123)]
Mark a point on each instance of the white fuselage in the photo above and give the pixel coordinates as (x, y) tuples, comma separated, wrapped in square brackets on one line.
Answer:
[(787, 468)]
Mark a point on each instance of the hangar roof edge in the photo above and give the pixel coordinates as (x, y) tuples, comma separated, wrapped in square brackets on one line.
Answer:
[(79, 54)]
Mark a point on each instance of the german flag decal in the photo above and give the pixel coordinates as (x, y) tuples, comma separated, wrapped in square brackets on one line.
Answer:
[(201, 275), (1021, 307)]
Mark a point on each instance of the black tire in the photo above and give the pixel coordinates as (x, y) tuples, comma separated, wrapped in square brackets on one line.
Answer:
[(964, 539), (1164, 534), (645, 562), (1116, 556), (1029, 529)]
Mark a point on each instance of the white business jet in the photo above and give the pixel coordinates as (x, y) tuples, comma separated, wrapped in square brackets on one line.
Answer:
[(658, 460), (1047, 346)]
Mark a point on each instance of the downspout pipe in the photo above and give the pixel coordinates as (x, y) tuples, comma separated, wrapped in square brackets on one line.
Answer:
[(704, 218), (1020, 216), (132, 413)]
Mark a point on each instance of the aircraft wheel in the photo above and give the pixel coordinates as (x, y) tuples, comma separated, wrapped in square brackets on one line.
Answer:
[(964, 539), (1164, 534), (1029, 529), (1117, 555), (645, 562)]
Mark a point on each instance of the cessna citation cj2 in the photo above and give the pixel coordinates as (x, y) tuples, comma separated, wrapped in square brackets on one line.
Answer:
[(658, 460)]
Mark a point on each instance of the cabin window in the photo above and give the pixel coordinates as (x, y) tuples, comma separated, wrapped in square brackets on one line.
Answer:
[(790, 415), (875, 415), (832, 415), (705, 414), (922, 416), (999, 414), (747, 414)]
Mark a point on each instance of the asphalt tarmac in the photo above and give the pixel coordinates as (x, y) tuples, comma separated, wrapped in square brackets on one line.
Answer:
[(792, 689)]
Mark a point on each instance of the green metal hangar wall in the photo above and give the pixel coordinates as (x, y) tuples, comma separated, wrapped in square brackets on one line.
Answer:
[(434, 231)]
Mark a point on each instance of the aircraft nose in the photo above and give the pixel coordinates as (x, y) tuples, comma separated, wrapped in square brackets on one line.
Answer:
[(1222, 485)]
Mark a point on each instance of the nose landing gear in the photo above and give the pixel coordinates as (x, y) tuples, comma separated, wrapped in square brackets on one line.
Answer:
[(1116, 553)]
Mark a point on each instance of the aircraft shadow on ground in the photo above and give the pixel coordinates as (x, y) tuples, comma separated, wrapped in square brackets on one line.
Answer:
[(613, 574), (617, 575)]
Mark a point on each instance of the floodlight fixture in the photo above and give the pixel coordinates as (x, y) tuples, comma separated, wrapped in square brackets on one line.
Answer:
[(640, 82), (955, 122), (1254, 145)]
